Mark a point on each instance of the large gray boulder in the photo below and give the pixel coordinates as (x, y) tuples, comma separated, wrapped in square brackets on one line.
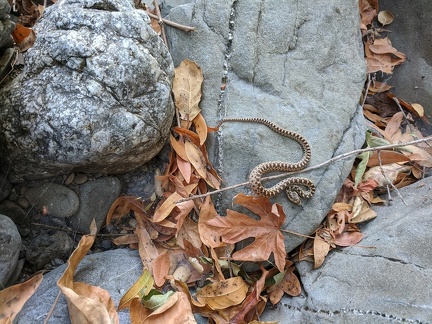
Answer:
[(386, 279), (297, 63), (94, 95)]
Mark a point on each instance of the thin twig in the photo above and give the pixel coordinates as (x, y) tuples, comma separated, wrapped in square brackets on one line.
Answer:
[(172, 24), (336, 158), (389, 183), (52, 308), (160, 22)]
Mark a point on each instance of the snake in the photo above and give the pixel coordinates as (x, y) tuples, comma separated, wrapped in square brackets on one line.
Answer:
[(293, 186)]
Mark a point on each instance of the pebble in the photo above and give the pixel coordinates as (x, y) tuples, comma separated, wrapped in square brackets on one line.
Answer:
[(23, 203), (47, 246), (69, 179), (14, 212), (10, 246), (96, 198), (80, 178), (59, 200)]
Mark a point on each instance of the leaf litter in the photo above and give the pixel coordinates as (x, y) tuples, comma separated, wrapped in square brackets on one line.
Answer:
[(190, 264)]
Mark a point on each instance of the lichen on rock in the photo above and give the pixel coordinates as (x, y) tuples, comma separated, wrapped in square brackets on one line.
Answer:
[(94, 94)]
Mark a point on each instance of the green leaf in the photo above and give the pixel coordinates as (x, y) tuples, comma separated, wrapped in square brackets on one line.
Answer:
[(157, 299)]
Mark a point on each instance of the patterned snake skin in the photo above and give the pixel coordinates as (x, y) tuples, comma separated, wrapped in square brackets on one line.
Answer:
[(292, 186)]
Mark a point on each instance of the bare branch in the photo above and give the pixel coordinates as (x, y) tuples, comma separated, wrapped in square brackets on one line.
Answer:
[(336, 158)]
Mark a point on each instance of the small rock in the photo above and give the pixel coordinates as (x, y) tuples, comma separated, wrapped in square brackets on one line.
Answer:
[(47, 246), (96, 197), (10, 246), (69, 179), (23, 203), (80, 178), (5, 187), (59, 200), (14, 212)]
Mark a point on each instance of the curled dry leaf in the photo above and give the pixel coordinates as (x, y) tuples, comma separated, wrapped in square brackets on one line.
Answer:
[(187, 89), (223, 294), (320, 249), (385, 174), (86, 303), (348, 238), (13, 298), (385, 17)]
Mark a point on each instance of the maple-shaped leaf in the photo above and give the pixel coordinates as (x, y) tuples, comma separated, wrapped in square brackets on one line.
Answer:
[(236, 227)]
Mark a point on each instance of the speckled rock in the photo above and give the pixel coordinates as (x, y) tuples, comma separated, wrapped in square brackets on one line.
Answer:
[(94, 95), (10, 245), (96, 198), (59, 200)]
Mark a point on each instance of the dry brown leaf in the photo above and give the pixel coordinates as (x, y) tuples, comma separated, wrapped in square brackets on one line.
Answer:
[(394, 124), (207, 213), (185, 169), (385, 17), (138, 312), (86, 304), (125, 239), (147, 250), (196, 158), (365, 213), (187, 89), (177, 309), (377, 87), (139, 289), (201, 128), (320, 249), (266, 233), (179, 147), (171, 202), (383, 174), (290, 285), (13, 298), (161, 268), (223, 294), (386, 157), (367, 13), (348, 238), (418, 109)]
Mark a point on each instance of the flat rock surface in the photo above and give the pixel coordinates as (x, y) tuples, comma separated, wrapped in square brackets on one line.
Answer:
[(10, 244), (386, 279), (279, 61), (115, 271)]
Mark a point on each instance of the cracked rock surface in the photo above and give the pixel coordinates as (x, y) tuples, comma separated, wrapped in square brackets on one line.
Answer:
[(386, 279), (94, 95), (297, 63)]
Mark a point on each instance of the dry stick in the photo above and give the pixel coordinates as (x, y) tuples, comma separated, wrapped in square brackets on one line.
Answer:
[(52, 308), (389, 182), (336, 158), (172, 24), (160, 22)]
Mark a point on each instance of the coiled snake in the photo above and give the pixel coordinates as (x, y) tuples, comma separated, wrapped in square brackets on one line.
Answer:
[(292, 186)]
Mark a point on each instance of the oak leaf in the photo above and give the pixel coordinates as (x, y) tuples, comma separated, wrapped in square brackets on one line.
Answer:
[(187, 89), (236, 227)]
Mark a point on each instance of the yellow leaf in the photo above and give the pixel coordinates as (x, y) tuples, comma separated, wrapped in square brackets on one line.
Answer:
[(223, 294), (13, 298), (187, 89), (419, 109), (140, 288)]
